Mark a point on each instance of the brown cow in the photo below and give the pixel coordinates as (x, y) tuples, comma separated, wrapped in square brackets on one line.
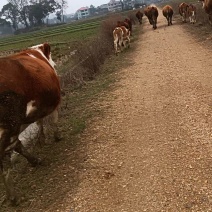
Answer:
[(127, 23), (127, 20), (192, 11), (168, 13), (151, 13), (183, 11), (121, 36), (207, 6), (139, 16), (29, 91), (122, 23)]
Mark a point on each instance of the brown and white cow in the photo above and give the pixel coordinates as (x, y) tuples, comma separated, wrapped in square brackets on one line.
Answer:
[(183, 11), (139, 16), (151, 13), (192, 13), (121, 37), (29, 91), (207, 6), (168, 13)]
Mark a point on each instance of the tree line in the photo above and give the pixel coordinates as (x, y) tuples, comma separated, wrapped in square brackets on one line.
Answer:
[(31, 13)]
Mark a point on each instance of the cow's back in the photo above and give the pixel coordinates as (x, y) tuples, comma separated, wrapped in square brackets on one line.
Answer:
[(30, 79), (183, 8), (167, 10)]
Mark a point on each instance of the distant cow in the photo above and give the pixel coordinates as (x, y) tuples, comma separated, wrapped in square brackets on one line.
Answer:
[(151, 13), (183, 11), (121, 37), (139, 16), (168, 13), (29, 91), (207, 6), (192, 12)]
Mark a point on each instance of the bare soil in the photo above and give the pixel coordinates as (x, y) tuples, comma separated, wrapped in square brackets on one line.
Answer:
[(152, 150)]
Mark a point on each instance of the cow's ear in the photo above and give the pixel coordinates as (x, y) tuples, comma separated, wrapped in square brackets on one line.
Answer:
[(47, 50)]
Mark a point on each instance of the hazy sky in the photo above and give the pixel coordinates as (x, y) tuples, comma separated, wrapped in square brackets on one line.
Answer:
[(73, 5)]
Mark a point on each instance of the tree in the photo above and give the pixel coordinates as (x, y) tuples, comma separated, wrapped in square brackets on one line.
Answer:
[(63, 5), (58, 15), (92, 10), (22, 10), (39, 11), (29, 12), (10, 13)]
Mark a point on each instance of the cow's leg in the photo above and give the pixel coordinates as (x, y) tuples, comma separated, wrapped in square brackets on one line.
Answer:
[(124, 43), (183, 17), (41, 134), (171, 20), (154, 24), (22, 151), (168, 20), (6, 177), (128, 41), (210, 19), (120, 43), (9, 185), (57, 135), (116, 45)]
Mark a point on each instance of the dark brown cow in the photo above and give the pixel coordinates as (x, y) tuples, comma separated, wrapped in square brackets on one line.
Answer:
[(127, 20), (122, 23), (151, 13), (168, 13), (139, 16), (29, 91), (126, 23), (207, 6), (183, 11), (192, 13)]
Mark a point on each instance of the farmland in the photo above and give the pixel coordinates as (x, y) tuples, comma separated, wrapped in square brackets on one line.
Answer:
[(64, 35)]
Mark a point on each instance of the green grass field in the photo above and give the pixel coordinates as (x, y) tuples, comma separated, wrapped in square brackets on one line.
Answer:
[(64, 34)]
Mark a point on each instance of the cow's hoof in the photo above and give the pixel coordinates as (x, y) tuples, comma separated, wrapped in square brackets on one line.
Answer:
[(57, 137), (14, 201), (35, 162)]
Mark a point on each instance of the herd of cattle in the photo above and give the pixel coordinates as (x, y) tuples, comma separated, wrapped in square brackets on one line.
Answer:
[(123, 29), (30, 88)]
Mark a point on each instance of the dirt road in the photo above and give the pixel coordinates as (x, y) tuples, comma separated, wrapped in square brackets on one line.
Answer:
[(152, 151)]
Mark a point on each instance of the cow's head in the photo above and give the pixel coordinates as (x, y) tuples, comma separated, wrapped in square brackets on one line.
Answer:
[(45, 50)]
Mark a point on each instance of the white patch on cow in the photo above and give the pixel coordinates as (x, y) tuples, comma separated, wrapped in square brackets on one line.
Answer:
[(152, 5), (30, 107), (1, 132), (50, 61), (31, 55), (53, 64)]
